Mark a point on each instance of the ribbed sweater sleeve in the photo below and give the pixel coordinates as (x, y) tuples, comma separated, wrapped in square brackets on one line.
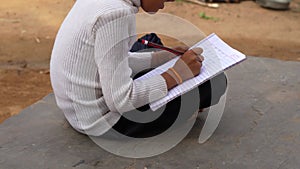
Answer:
[(113, 38), (139, 61)]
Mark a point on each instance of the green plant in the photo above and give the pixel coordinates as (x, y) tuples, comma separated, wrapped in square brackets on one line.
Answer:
[(204, 16)]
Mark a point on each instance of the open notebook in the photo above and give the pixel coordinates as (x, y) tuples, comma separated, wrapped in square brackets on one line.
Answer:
[(218, 57)]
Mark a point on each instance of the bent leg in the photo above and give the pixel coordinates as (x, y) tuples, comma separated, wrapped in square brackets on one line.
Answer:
[(211, 91)]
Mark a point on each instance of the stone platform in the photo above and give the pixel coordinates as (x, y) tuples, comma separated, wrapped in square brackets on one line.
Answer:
[(260, 128)]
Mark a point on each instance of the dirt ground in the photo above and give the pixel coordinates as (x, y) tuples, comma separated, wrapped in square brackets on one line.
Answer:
[(28, 29)]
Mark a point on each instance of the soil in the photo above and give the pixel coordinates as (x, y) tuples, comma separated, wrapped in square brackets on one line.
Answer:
[(28, 29)]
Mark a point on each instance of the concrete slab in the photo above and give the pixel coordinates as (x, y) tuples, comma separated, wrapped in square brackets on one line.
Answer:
[(260, 128)]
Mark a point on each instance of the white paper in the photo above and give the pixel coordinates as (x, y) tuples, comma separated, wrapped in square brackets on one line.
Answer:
[(218, 56)]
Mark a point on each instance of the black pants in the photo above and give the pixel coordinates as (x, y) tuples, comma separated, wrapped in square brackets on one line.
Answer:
[(207, 94)]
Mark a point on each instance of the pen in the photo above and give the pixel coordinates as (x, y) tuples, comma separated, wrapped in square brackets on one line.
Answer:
[(154, 45)]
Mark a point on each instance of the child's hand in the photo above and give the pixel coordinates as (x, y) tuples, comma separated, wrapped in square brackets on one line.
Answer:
[(182, 48), (189, 64), (161, 57)]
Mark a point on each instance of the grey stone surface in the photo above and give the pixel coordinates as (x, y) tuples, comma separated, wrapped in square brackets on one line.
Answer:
[(260, 129)]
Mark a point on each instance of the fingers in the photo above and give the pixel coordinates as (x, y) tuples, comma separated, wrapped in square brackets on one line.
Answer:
[(196, 54), (200, 58), (191, 59), (182, 48), (197, 51)]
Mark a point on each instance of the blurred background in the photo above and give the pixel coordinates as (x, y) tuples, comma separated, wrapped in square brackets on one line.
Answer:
[(28, 29)]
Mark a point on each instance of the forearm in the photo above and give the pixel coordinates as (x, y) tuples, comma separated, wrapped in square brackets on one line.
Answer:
[(170, 80), (161, 57), (139, 61)]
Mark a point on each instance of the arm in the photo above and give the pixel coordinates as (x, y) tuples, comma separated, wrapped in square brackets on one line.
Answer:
[(160, 57), (121, 93), (139, 61)]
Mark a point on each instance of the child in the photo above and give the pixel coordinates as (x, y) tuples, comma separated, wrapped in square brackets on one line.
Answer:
[(91, 70)]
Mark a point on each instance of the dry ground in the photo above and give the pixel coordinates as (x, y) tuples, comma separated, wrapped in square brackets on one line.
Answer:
[(28, 29)]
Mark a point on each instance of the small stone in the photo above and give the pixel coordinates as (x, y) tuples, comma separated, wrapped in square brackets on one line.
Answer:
[(23, 64), (37, 40)]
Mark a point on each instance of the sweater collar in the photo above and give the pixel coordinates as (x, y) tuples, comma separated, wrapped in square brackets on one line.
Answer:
[(136, 3)]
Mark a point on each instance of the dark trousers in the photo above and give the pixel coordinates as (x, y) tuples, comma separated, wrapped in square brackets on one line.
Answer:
[(207, 94)]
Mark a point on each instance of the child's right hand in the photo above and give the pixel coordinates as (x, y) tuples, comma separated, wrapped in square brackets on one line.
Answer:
[(186, 67), (189, 64)]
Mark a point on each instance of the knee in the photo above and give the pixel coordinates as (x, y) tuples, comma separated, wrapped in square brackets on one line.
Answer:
[(218, 87)]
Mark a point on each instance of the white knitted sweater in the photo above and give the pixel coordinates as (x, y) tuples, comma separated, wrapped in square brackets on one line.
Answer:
[(91, 67)]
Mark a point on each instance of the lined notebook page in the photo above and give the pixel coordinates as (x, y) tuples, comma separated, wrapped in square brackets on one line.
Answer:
[(218, 56)]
